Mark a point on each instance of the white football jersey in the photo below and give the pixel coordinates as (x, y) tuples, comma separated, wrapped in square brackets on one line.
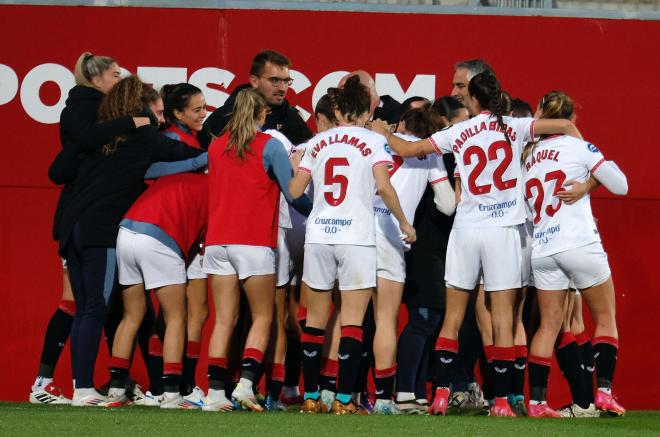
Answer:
[(559, 227), (341, 162), (285, 219), (409, 177), (489, 168)]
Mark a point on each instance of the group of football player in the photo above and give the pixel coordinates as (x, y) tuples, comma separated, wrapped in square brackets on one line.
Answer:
[(305, 242)]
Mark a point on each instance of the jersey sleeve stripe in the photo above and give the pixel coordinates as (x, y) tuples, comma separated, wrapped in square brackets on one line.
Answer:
[(435, 146), (306, 170), (377, 163), (598, 164), (439, 180), (531, 129)]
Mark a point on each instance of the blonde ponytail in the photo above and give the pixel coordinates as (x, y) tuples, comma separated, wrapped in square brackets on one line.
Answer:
[(242, 126), (89, 66)]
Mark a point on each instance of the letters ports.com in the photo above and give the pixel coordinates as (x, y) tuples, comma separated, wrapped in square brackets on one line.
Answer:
[(214, 83)]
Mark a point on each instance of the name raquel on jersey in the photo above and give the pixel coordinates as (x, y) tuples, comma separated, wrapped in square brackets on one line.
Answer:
[(351, 140), (541, 155)]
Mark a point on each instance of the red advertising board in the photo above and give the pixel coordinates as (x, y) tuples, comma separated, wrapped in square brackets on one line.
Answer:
[(608, 66)]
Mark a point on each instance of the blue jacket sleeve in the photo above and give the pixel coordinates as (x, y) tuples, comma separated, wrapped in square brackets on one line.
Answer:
[(277, 165), (159, 169)]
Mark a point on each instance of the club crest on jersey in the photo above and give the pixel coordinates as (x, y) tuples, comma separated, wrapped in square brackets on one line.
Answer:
[(592, 148)]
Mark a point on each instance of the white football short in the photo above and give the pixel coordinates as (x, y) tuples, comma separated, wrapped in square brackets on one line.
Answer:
[(195, 269), (353, 266), (496, 252), (586, 266), (284, 264), (241, 260), (390, 261), (143, 259)]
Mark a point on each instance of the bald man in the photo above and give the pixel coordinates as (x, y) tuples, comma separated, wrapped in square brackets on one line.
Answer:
[(383, 107)]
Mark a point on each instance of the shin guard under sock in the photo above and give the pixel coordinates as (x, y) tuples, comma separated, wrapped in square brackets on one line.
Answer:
[(118, 371), (190, 367), (502, 366), (446, 352), (605, 353), (568, 358), (172, 377), (385, 382), (252, 367), (329, 375), (217, 373), (275, 381), (519, 367), (587, 359), (350, 354), (292, 361), (539, 370), (56, 336), (311, 347), (155, 365)]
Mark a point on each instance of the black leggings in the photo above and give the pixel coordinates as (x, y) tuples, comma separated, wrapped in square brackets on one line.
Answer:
[(415, 344), (93, 277)]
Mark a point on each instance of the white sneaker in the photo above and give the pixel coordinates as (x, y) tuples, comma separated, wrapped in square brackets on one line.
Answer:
[(135, 394), (216, 400), (244, 395), (459, 399), (475, 396), (327, 398), (87, 397), (149, 400), (574, 410), (116, 398), (49, 395), (384, 406), (174, 401), (196, 396)]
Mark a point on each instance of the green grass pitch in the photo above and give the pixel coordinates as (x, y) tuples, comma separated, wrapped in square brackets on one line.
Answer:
[(37, 420)]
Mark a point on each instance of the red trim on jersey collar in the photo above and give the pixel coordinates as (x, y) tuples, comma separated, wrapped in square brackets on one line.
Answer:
[(486, 112)]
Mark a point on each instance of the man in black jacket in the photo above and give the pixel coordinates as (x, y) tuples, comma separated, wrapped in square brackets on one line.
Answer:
[(269, 74)]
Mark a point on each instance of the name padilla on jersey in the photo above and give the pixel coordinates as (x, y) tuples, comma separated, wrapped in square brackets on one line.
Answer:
[(477, 128), (541, 155), (351, 140)]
